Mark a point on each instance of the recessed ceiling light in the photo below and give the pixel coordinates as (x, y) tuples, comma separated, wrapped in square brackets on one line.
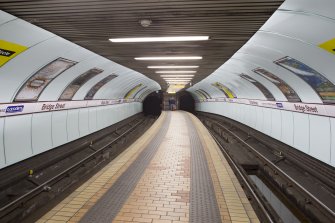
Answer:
[(178, 81), (159, 39), (170, 58), (176, 78), (175, 72), (177, 75), (171, 67)]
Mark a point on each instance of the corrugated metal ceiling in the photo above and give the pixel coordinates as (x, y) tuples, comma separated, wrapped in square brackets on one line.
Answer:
[(90, 23)]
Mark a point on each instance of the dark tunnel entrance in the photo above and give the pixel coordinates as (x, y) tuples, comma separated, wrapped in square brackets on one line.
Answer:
[(186, 101), (152, 104)]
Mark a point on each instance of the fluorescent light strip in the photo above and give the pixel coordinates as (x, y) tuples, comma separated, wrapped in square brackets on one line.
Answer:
[(170, 58), (182, 81), (159, 39), (171, 67), (177, 79), (178, 75), (175, 72)]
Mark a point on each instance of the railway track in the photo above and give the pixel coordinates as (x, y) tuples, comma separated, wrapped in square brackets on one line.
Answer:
[(55, 178), (286, 168)]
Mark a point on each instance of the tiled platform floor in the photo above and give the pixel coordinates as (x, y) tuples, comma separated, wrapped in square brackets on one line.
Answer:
[(162, 194)]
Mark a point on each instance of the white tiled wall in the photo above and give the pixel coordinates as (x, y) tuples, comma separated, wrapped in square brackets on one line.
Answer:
[(311, 134), (24, 136)]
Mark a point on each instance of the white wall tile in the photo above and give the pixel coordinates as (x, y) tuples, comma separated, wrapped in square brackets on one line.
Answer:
[(72, 124), (267, 121), (41, 132), (83, 122), (276, 124), (17, 138), (2, 146), (320, 137), (332, 138), (92, 113), (59, 130), (301, 132), (287, 130)]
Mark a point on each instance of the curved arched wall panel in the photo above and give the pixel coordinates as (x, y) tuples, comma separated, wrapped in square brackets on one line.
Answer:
[(49, 122), (295, 53), (54, 90), (5, 17), (303, 90)]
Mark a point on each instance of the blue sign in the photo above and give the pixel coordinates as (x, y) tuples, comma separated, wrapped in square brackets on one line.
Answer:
[(14, 109), (279, 105)]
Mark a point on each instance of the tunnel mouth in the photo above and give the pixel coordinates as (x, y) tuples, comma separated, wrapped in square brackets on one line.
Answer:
[(152, 104), (186, 101)]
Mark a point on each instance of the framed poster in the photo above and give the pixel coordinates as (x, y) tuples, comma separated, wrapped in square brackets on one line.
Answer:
[(139, 91), (200, 96), (260, 86), (205, 93), (224, 89), (322, 86), (32, 89), (74, 86), (132, 91), (90, 94), (289, 93)]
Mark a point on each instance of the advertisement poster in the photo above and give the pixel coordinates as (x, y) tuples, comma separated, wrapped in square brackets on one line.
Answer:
[(97, 86), (289, 93), (260, 86), (319, 83), (205, 93), (132, 91), (9, 50), (139, 91), (224, 89), (200, 96), (72, 88), (32, 89)]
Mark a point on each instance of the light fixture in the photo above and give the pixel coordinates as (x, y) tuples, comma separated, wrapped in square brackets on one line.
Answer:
[(177, 78), (178, 81), (159, 39), (177, 75), (171, 67), (175, 72), (170, 58), (145, 22)]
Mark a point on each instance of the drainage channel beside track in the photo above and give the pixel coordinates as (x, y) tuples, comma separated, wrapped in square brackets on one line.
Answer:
[(24, 198), (303, 184)]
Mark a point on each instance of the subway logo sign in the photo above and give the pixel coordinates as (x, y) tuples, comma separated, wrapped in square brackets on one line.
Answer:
[(6, 53), (9, 50), (14, 109)]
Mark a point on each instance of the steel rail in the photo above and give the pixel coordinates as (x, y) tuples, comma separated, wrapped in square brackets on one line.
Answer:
[(42, 187), (331, 212), (255, 196)]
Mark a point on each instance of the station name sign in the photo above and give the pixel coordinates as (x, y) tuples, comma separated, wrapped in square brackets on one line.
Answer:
[(315, 109), (38, 107)]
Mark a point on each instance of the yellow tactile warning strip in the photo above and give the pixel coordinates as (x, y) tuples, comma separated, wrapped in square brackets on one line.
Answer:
[(72, 208), (163, 191), (233, 203), (162, 194)]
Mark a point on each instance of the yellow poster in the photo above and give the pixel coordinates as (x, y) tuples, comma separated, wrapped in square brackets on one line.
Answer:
[(224, 89), (329, 46), (9, 50), (132, 91)]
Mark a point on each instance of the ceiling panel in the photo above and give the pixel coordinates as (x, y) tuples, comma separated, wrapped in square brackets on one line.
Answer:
[(90, 23)]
